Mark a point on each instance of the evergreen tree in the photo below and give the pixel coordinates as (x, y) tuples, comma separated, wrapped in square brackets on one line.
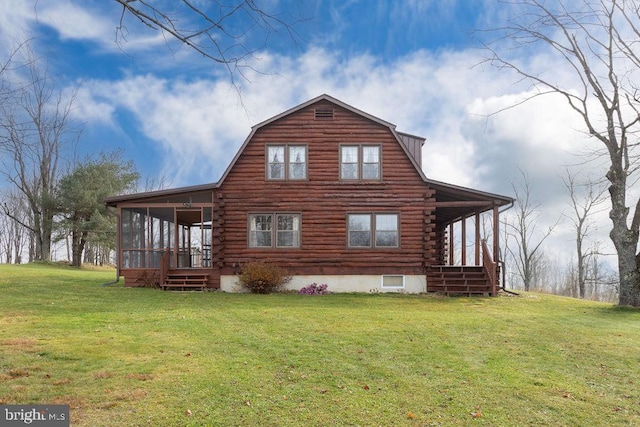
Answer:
[(80, 197)]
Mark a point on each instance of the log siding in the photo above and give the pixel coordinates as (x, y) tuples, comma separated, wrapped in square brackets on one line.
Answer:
[(324, 200)]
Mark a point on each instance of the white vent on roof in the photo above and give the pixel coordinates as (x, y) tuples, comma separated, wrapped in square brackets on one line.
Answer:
[(325, 113)]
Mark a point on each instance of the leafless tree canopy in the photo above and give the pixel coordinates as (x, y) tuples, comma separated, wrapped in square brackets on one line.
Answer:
[(36, 131), (596, 44), (524, 232), (584, 202), (228, 32)]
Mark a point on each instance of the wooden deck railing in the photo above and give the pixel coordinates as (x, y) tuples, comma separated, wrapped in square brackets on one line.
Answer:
[(490, 267)]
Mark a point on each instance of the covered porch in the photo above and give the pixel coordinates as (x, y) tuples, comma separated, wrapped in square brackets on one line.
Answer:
[(467, 240), (169, 239)]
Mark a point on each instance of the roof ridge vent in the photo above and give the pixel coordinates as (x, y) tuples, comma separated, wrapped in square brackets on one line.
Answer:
[(324, 113)]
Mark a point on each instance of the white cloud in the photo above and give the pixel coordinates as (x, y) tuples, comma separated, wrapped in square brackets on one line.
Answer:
[(199, 124), (439, 96), (75, 22)]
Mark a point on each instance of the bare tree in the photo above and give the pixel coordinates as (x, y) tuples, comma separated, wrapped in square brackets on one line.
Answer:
[(35, 130), (522, 229), (597, 41), (228, 32), (13, 235), (604, 282), (6, 243), (582, 206)]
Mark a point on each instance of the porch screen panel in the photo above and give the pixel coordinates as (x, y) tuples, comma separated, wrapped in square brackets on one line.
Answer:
[(160, 234), (134, 237), (207, 229), (169, 231)]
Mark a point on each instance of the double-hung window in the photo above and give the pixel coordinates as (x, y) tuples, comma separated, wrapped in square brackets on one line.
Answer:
[(274, 230), (373, 230), (286, 162), (360, 162)]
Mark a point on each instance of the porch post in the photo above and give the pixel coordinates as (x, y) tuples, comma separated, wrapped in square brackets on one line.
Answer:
[(464, 240), (477, 260), (496, 233), (451, 243), (119, 240)]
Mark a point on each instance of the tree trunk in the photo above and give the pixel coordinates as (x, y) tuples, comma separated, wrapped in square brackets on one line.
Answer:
[(625, 243), (629, 278), (77, 247), (624, 239)]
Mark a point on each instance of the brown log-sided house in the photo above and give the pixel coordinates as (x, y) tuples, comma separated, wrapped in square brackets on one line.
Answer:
[(331, 193)]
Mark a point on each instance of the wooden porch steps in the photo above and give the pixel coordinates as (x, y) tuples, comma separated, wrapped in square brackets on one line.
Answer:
[(458, 280), (186, 281)]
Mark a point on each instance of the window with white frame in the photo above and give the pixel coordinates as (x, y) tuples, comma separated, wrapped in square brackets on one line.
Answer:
[(286, 162), (360, 162), (373, 230), (393, 281), (274, 230)]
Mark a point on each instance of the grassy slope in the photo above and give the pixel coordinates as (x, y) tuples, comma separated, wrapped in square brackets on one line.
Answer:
[(123, 356)]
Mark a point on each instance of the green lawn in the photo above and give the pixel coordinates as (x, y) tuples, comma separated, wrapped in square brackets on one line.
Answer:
[(138, 357)]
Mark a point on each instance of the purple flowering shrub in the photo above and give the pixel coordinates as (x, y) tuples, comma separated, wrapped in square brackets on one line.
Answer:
[(314, 289)]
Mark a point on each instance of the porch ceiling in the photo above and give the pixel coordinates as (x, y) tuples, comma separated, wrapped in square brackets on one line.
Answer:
[(454, 203), (447, 213), (189, 217)]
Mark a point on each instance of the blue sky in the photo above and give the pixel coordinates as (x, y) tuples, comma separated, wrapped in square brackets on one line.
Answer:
[(413, 63), (78, 40)]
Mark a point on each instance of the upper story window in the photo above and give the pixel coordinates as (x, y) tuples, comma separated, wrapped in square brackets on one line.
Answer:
[(360, 162), (286, 162), (368, 230), (269, 230)]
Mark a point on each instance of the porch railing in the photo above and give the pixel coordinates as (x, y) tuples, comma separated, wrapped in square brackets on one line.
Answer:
[(490, 268)]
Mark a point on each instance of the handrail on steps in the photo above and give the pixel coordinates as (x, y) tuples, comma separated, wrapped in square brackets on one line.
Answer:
[(489, 267)]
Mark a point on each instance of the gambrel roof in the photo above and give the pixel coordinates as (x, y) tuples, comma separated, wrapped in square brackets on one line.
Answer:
[(400, 137), (454, 202)]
